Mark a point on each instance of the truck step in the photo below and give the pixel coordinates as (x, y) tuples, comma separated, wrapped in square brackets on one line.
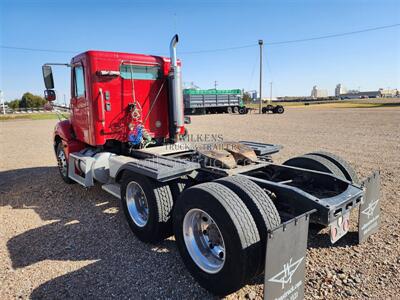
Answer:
[(112, 188), (86, 179)]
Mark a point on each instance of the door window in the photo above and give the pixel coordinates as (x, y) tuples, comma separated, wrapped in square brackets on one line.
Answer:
[(79, 81)]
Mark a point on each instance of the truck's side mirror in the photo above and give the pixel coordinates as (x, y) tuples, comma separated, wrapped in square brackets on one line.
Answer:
[(48, 77), (49, 95)]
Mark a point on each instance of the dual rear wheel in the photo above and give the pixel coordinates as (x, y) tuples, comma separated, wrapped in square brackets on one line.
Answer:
[(220, 227), (147, 205), (325, 162)]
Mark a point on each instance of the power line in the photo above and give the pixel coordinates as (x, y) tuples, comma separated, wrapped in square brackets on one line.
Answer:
[(218, 50), (297, 40), (332, 35), (36, 49), (229, 48)]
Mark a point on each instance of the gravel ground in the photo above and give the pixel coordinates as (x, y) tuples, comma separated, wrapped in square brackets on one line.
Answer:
[(60, 241)]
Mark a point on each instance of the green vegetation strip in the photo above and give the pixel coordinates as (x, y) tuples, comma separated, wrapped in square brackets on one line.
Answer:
[(33, 116)]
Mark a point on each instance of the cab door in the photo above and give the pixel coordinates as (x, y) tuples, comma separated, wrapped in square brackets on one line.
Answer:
[(80, 103)]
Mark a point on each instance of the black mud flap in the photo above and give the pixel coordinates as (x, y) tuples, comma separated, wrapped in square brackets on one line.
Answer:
[(369, 213), (286, 259)]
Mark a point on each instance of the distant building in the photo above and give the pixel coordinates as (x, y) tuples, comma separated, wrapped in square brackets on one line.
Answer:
[(340, 89), (318, 93), (389, 93), (254, 96), (342, 93), (359, 95)]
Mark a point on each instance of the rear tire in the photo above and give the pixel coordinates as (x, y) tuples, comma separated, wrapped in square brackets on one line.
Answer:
[(259, 204), (147, 205), (316, 163), (236, 229), (343, 165), (62, 163), (279, 109), (229, 110), (236, 110)]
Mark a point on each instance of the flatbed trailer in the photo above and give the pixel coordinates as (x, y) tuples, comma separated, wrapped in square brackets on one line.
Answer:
[(234, 212), (213, 101)]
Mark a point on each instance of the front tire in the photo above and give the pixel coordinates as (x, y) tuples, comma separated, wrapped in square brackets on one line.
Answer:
[(147, 205), (62, 163), (215, 235)]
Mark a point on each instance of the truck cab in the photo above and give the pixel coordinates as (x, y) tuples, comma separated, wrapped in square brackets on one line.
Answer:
[(115, 97)]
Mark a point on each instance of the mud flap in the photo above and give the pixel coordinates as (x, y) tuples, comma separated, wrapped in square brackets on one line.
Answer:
[(369, 212), (286, 259)]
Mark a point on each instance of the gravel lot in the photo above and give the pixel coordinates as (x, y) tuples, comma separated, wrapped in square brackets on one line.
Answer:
[(60, 241)]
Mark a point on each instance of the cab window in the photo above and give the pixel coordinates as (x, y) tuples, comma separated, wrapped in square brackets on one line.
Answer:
[(140, 72), (79, 81)]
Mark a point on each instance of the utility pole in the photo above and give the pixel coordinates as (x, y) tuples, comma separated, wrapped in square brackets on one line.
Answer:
[(270, 92), (260, 42), (215, 84), (2, 101)]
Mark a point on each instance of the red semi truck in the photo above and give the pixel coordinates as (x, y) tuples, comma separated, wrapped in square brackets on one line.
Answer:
[(234, 213)]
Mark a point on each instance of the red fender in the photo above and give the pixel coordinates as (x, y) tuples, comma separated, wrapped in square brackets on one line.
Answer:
[(64, 133)]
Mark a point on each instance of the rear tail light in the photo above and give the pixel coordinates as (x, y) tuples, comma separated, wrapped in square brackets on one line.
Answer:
[(346, 225), (333, 232)]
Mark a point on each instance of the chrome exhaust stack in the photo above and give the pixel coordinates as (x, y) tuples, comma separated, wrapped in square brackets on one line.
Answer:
[(176, 94)]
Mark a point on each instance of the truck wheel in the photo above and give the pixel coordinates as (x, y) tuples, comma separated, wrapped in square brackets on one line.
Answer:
[(62, 163), (216, 237), (259, 204), (236, 110), (229, 110), (147, 205), (343, 165), (177, 186), (279, 109), (316, 163), (242, 110)]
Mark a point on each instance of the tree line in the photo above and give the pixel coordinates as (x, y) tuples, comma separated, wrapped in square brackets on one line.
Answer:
[(27, 100)]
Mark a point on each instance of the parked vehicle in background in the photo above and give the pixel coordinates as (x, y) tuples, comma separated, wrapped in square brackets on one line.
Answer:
[(275, 109), (213, 101)]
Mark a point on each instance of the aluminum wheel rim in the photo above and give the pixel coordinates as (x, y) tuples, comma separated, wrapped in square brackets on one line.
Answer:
[(62, 163), (136, 202), (204, 241)]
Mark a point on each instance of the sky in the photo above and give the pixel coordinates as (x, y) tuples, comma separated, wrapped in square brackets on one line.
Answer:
[(365, 61)]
